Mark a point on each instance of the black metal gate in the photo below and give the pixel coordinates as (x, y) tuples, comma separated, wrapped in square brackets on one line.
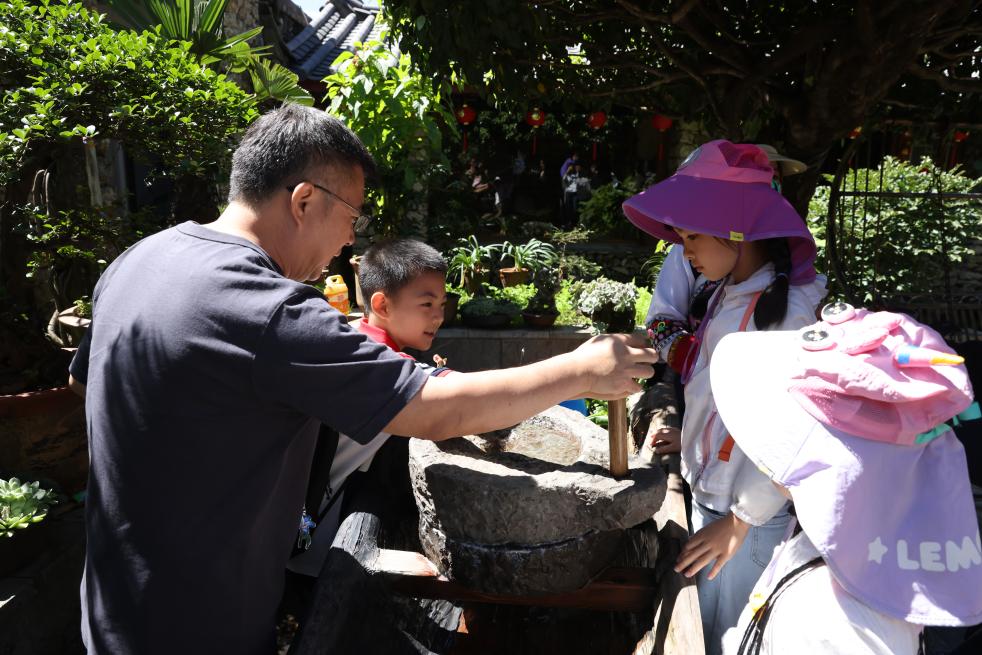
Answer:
[(902, 236)]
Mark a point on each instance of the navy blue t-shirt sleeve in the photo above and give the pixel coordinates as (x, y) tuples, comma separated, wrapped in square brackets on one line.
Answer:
[(311, 360)]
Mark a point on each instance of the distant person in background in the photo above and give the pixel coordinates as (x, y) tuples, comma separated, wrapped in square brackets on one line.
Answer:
[(573, 158), (571, 189), (783, 166)]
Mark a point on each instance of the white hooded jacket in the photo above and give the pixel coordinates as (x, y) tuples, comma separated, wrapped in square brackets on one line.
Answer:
[(735, 485)]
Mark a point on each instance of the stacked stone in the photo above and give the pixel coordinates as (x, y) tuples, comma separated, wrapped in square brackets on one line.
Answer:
[(534, 512)]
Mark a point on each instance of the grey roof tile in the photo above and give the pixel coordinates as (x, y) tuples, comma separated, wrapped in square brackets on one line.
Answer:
[(333, 31)]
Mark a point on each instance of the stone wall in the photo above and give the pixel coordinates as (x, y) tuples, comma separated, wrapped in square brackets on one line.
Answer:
[(468, 350), (241, 16)]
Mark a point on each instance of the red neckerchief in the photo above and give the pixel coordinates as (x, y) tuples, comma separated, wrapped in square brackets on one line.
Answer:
[(378, 334)]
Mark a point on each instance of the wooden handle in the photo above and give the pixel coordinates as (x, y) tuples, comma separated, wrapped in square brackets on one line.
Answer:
[(617, 433)]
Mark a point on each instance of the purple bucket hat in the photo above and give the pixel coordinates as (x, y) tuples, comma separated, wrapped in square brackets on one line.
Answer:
[(892, 517), (724, 189)]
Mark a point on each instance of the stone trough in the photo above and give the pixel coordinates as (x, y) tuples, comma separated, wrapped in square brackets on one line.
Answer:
[(532, 510)]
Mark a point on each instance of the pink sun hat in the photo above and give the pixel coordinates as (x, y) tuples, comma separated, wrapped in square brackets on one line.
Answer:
[(724, 189), (840, 415)]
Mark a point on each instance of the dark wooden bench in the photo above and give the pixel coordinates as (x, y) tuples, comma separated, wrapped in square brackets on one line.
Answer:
[(958, 322)]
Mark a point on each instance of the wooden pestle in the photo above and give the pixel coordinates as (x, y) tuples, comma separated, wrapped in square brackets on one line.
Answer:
[(617, 434)]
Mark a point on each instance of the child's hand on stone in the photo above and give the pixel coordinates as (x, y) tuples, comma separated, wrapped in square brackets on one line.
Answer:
[(665, 440), (719, 541)]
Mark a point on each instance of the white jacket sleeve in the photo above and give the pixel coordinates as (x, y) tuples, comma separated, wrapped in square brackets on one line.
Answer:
[(756, 499), (673, 290)]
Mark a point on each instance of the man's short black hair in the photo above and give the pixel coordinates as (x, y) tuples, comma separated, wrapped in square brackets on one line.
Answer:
[(284, 144), (390, 265)]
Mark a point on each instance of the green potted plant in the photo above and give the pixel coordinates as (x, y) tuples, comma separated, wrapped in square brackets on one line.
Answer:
[(469, 263), (22, 505), (488, 313), (525, 258), (609, 304), (450, 308), (541, 309)]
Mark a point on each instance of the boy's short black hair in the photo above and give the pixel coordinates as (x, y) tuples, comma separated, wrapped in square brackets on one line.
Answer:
[(390, 265)]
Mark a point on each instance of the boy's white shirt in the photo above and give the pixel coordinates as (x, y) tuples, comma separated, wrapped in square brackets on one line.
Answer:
[(736, 485), (814, 615), (349, 457)]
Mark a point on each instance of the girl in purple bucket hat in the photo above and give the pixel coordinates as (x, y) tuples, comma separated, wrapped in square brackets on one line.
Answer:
[(851, 418), (737, 230)]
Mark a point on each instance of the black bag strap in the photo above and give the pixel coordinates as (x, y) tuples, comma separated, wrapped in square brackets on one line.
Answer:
[(753, 638), (320, 471), (318, 485)]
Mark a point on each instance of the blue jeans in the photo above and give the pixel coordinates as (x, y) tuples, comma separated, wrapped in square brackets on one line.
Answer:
[(721, 600)]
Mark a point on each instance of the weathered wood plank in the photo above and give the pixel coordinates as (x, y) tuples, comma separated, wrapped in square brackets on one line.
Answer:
[(353, 609), (624, 589)]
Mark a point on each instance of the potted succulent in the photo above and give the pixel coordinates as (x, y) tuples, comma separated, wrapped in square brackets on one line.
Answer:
[(22, 506), (488, 313), (469, 263), (541, 309), (525, 258), (609, 304)]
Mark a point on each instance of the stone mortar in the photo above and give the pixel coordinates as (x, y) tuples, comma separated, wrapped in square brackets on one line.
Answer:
[(536, 511)]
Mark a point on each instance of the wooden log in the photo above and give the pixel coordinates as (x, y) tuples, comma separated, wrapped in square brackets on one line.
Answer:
[(353, 609), (677, 626), (625, 589), (617, 433)]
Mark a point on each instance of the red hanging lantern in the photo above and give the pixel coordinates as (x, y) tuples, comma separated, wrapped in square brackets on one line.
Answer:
[(465, 116), (662, 124), (957, 137), (535, 118), (856, 131), (596, 120)]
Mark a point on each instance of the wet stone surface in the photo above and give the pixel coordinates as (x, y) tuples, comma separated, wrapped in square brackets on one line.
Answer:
[(531, 510)]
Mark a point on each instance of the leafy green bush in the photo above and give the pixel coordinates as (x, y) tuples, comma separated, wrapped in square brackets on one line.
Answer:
[(899, 248), (22, 504), (67, 82), (68, 76), (602, 212), (488, 306), (398, 113)]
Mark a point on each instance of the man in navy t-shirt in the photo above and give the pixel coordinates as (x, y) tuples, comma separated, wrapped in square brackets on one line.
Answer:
[(209, 367)]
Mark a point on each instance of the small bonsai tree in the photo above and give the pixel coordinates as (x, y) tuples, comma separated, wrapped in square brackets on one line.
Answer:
[(547, 282)]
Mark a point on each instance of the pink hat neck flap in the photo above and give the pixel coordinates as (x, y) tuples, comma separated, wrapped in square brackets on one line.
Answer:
[(723, 189), (838, 414)]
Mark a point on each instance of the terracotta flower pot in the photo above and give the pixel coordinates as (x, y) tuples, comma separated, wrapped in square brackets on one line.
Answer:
[(539, 321), (24, 547), (489, 322), (450, 309), (42, 433), (616, 320), (473, 280), (511, 277)]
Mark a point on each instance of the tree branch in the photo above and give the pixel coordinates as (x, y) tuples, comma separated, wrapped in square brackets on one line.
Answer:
[(946, 82)]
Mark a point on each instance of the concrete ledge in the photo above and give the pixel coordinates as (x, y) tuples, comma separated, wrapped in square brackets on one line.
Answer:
[(472, 349)]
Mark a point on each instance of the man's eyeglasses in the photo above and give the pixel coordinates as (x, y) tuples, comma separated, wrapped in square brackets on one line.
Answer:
[(362, 218)]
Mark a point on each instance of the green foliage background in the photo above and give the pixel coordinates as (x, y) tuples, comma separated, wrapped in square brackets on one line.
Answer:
[(894, 247)]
